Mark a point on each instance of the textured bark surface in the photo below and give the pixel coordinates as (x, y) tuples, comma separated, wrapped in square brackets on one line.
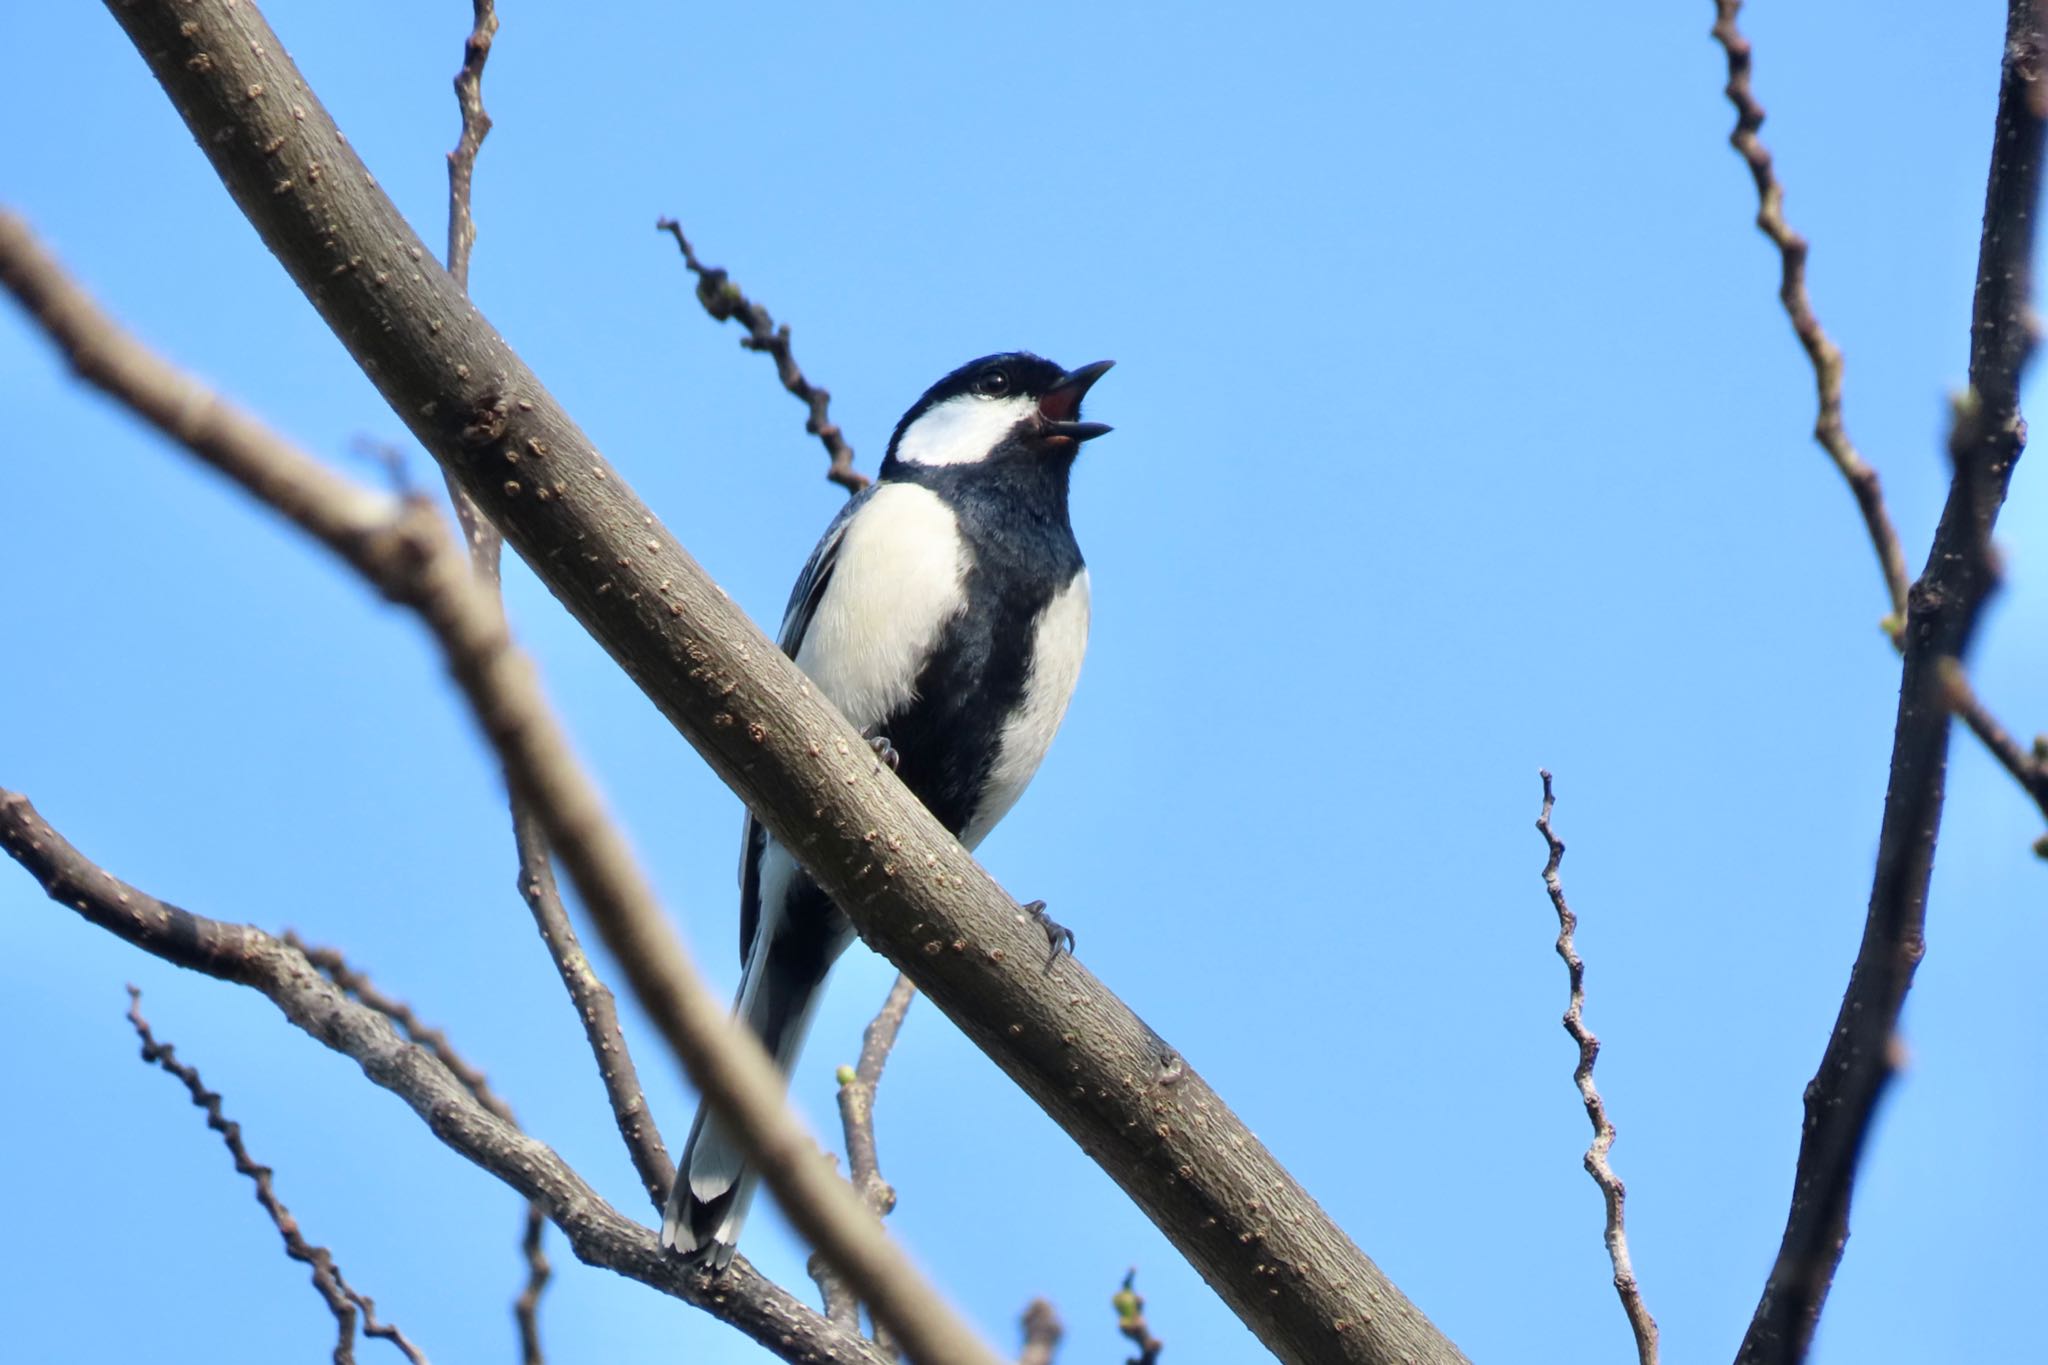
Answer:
[(915, 895)]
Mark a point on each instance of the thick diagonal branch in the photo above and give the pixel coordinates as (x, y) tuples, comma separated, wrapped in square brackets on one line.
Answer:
[(1126, 1096), (403, 549), (1942, 613)]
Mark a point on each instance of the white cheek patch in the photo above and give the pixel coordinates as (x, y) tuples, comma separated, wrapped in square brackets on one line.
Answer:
[(896, 583), (1059, 639), (962, 430)]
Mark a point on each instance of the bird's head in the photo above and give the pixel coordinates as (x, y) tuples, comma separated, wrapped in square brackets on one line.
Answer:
[(1000, 407)]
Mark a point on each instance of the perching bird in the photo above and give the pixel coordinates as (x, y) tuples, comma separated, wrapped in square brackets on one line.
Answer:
[(944, 613)]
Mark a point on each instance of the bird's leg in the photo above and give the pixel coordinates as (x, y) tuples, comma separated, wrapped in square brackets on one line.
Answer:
[(884, 750), (1058, 937)]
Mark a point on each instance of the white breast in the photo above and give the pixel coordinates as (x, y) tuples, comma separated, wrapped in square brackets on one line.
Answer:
[(898, 580), (1060, 638)]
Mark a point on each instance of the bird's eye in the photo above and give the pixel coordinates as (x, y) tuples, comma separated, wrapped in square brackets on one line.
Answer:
[(993, 384)]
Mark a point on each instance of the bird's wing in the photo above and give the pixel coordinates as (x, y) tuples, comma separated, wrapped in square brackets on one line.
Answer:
[(817, 575), (796, 619)]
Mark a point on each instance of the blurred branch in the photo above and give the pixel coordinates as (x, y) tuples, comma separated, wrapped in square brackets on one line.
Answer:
[(2030, 772), (1612, 1191), (342, 1301), (526, 1308), (1130, 1322), (1123, 1093), (723, 299), (482, 538), (402, 549), (243, 954), (2029, 767), (1826, 358), (1042, 1333), (1944, 607)]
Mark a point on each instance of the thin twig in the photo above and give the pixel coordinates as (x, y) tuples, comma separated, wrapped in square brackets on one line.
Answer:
[(1826, 357), (341, 1301), (723, 299), (1042, 1333), (1945, 605), (1130, 1322), (2029, 767), (1612, 1191), (857, 1118), (403, 549), (597, 1011), (1829, 430), (526, 1308), (485, 544), (358, 985), (247, 956)]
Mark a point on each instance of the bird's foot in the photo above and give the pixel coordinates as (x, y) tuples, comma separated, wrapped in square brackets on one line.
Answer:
[(884, 750), (1059, 938)]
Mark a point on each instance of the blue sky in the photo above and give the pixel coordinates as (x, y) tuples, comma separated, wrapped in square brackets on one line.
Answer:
[(1458, 434)]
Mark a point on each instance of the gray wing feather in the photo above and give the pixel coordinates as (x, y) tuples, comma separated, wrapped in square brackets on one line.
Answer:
[(796, 619)]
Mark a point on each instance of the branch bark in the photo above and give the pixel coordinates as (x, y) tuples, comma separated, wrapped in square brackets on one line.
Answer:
[(404, 551), (1942, 613), (599, 1234), (913, 892)]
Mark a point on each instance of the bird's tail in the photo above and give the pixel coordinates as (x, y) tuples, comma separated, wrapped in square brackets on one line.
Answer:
[(714, 1185)]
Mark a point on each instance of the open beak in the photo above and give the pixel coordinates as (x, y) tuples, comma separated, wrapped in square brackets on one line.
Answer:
[(1062, 403)]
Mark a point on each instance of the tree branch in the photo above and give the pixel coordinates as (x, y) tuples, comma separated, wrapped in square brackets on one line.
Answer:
[(1943, 609), (341, 1300), (723, 299), (403, 550), (1042, 1333), (1612, 1191), (1127, 1097), (526, 1309), (598, 1233), (478, 534), (1821, 351), (1826, 358)]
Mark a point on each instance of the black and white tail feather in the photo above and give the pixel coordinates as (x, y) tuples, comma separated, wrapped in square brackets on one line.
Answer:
[(946, 609)]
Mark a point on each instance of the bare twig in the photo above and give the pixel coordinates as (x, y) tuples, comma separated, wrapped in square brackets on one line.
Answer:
[(857, 1097), (526, 1308), (1042, 1333), (358, 986), (1130, 1322), (1611, 1188), (857, 1085), (723, 299), (1944, 608), (1826, 358), (2028, 766), (595, 1008), (404, 551), (243, 954), (482, 538), (1828, 427), (341, 1301)]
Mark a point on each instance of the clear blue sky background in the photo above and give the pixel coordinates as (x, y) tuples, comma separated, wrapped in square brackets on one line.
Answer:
[(1458, 433)]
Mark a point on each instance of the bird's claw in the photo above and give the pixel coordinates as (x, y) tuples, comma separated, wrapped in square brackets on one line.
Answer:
[(1059, 939), (884, 750)]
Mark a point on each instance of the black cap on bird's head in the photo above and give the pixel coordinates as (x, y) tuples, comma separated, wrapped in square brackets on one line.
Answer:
[(1000, 405)]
